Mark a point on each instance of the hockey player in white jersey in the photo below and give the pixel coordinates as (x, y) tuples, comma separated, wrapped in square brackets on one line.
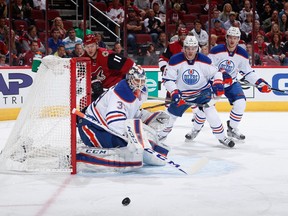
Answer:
[(115, 139), (231, 59), (190, 77)]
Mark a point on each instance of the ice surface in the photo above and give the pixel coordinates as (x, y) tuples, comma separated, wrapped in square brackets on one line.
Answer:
[(248, 180)]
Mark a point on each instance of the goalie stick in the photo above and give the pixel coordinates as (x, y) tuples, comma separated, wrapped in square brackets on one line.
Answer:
[(244, 82), (197, 166)]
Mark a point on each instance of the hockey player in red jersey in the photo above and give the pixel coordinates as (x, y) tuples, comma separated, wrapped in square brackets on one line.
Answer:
[(172, 49), (108, 68)]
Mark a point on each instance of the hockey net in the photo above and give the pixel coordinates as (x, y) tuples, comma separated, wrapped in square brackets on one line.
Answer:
[(44, 136)]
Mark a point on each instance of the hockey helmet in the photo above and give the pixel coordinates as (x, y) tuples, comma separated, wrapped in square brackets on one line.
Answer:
[(191, 41), (182, 31), (233, 31), (90, 39), (136, 78)]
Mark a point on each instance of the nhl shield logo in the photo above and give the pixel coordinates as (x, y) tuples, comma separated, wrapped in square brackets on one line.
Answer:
[(190, 77)]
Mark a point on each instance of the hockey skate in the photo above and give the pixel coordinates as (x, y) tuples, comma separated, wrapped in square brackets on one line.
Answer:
[(234, 132), (192, 135), (227, 142)]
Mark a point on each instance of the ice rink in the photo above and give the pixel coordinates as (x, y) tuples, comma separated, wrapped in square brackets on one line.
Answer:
[(249, 180)]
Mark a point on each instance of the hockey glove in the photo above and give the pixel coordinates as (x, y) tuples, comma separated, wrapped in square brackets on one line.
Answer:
[(227, 79), (97, 89), (263, 86), (176, 97), (218, 87)]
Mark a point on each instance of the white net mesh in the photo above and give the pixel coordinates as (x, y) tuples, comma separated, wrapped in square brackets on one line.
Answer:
[(41, 137)]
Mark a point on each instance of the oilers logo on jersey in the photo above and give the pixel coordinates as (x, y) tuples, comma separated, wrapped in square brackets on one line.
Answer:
[(190, 77), (227, 65)]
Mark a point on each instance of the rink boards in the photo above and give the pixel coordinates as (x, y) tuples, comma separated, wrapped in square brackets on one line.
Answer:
[(15, 83)]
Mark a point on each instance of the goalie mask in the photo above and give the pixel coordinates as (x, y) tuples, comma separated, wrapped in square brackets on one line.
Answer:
[(136, 78)]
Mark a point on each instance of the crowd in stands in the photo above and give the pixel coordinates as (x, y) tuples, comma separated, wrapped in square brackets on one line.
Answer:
[(152, 18)]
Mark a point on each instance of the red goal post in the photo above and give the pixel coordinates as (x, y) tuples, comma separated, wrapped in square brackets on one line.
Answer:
[(44, 137)]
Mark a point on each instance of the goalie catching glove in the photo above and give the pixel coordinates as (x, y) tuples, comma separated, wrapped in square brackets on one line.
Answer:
[(263, 86)]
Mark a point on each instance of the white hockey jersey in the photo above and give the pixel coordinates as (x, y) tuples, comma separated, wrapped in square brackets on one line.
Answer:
[(190, 77), (116, 105), (232, 62)]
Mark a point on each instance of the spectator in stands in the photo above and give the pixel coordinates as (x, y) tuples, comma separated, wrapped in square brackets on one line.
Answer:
[(4, 29), (283, 23), (285, 37), (139, 12), (284, 9), (70, 41), (21, 11), (257, 30), (260, 46), (15, 48), (153, 25), (267, 24), (285, 51), (246, 26), (274, 30), (78, 51), (205, 50), (3, 48), (58, 23), (218, 31), (158, 12), (162, 5), (175, 15), (80, 32), (213, 40), (151, 58), (134, 26), (267, 13), (61, 52), (40, 5), (116, 13), (247, 8), (231, 20), (257, 60), (117, 48), (99, 38), (215, 15), (161, 43), (30, 36), (54, 41), (3, 61), (26, 59), (3, 8), (200, 34), (224, 15), (142, 4), (275, 50)]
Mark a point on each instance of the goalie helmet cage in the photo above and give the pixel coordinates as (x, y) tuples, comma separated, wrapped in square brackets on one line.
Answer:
[(44, 136)]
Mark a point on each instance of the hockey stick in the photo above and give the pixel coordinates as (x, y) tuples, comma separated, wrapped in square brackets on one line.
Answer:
[(149, 150), (209, 104), (244, 82)]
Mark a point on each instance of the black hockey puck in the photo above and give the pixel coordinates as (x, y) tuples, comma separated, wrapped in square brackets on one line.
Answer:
[(126, 201)]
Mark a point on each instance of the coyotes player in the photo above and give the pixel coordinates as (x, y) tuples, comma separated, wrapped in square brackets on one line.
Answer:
[(108, 68)]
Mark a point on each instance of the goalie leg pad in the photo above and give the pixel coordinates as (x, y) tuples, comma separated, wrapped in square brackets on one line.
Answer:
[(91, 159), (94, 136), (138, 137)]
